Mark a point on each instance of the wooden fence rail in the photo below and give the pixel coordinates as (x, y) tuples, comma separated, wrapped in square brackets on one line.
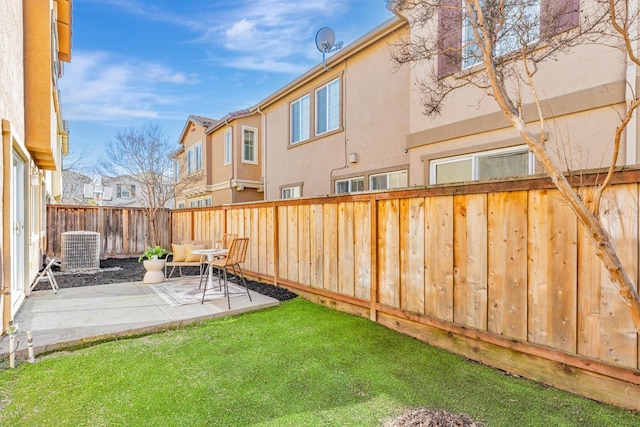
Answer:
[(124, 232), (502, 273)]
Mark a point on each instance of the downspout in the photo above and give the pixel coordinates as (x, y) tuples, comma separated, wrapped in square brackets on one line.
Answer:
[(264, 152), (344, 126), (630, 92)]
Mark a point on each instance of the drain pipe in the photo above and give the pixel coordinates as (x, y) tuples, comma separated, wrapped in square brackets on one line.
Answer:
[(263, 116)]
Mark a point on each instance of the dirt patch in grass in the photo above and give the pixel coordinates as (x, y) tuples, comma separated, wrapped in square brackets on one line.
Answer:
[(121, 270), (430, 418)]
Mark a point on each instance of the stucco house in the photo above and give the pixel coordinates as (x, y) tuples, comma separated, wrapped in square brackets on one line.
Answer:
[(219, 161), (341, 127), (36, 41), (582, 93)]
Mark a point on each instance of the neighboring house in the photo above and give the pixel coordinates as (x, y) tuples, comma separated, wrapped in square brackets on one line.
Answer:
[(340, 128), (219, 161), (582, 93), (36, 39), (73, 184)]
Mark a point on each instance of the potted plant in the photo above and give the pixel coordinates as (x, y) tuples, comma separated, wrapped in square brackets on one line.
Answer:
[(154, 264), (155, 252)]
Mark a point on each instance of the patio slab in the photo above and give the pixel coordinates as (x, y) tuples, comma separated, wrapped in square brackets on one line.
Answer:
[(77, 315)]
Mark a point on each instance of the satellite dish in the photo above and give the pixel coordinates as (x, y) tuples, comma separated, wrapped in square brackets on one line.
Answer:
[(326, 43)]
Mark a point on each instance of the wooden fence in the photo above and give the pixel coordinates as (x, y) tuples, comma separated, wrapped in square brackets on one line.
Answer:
[(124, 232), (501, 273)]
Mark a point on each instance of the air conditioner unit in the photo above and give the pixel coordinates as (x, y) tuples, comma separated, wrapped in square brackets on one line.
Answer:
[(80, 250)]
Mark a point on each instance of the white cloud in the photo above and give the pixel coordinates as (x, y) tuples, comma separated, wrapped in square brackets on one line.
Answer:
[(104, 87)]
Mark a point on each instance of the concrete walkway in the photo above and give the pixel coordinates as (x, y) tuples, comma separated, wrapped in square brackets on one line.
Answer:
[(78, 315)]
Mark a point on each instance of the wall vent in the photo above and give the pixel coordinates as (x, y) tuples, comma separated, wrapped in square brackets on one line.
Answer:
[(80, 250)]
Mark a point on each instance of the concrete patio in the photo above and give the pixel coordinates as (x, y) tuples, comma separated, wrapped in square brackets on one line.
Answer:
[(78, 315)]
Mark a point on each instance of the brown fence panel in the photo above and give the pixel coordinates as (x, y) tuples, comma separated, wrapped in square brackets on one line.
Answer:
[(124, 232)]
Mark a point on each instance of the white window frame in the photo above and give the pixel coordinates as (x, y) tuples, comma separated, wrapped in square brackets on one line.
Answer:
[(291, 192), (332, 112), (389, 174), (125, 188), (194, 158), (189, 162), (303, 117), (228, 146), (198, 150), (253, 148), (474, 161), (504, 45), (350, 182)]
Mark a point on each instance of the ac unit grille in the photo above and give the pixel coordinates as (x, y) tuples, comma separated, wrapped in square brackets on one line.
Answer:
[(80, 250)]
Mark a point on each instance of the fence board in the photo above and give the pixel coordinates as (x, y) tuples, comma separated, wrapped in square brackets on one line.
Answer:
[(412, 254), (362, 248), (283, 241), (330, 245), (316, 243), (438, 249), (345, 254), (303, 244), (470, 260), (618, 338), (507, 260), (389, 252), (292, 243), (552, 278)]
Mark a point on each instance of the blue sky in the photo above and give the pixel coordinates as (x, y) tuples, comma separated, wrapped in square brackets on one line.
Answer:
[(136, 61)]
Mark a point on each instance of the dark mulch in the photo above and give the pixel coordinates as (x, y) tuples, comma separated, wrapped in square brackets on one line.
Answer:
[(120, 270)]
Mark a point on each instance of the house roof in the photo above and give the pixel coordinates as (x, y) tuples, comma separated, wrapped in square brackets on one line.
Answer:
[(230, 116), (199, 120), (350, 50)]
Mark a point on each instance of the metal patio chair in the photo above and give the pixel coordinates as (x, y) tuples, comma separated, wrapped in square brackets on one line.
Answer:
[(236, 256)]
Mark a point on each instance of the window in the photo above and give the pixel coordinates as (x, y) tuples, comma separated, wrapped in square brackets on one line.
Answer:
[(228, 146), (180, 205), (290, 192), (198, 150), (194, 158), (350, 185), (388, 180), (124, 191), (300, 119), (328, 107), (176, 168), (249, 147), (502, 163), (552, 16), (521, 27)]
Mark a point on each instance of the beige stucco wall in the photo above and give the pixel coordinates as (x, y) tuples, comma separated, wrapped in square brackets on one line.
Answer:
[(12, 70), (581, 92), (375, 122)]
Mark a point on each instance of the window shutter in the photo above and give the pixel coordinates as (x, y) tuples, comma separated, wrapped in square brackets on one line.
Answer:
[(118, 191), (558, 16), (449, 37)]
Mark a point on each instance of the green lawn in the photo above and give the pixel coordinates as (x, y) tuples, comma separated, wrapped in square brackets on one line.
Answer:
[(299, 364)]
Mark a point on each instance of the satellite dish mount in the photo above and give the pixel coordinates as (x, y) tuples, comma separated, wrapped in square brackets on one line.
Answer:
[(326, 43)]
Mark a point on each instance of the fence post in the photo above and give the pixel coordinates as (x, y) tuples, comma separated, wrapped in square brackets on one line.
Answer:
[(373, 299), (276, 245)]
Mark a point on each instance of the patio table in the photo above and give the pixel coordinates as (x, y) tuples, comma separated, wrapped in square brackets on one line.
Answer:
[(211, 255)]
